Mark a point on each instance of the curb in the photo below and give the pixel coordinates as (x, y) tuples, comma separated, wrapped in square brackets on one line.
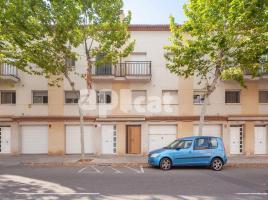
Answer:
[(246, 165)]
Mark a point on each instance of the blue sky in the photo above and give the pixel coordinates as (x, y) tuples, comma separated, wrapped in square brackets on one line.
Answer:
[(155, 11)]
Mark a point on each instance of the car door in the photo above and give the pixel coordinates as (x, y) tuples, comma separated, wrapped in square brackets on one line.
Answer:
[(182, 154), (201, 151)]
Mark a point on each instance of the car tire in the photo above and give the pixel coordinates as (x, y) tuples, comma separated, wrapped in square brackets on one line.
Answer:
[(216, 164), (165, 164)]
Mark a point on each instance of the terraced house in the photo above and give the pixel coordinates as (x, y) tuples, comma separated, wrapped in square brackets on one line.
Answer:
[(147, 107)]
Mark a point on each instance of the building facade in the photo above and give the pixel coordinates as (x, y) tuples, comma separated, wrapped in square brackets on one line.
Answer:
[(140, 106)]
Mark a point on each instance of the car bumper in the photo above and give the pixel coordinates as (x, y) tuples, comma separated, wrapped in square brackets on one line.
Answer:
[(154, 161), (225, 160)]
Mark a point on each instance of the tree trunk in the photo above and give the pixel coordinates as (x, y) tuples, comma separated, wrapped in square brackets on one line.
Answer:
[(82, 129), (202, 116), (81, 115)]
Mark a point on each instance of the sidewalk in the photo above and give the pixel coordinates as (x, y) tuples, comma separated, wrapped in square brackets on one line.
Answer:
[(73, 160)]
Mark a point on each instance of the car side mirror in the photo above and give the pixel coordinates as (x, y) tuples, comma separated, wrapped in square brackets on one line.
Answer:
[(178, 149)]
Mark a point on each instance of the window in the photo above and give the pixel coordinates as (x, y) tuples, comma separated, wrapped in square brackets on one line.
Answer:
[(232, 96), (104, 97), (199, 97), (139, 97), (70, 62), (8, 97), (181, 144), (201, 144), (213, 143), (263, 96), (104, 66), (184, 144), (170, 97), (72, 97), (40, 97)]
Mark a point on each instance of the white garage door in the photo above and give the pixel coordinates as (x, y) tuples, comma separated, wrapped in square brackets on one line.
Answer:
[(73, 142), (161, 135), (209, 130), (34, 139)]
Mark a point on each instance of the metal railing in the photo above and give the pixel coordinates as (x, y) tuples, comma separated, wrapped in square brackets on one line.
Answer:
[(8, 70), (129, 68), (260, 72)]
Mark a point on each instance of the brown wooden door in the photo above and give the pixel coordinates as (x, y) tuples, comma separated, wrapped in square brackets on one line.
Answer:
[(134, 139)]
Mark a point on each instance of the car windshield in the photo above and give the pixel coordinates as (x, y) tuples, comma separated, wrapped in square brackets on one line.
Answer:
[(181, 144)]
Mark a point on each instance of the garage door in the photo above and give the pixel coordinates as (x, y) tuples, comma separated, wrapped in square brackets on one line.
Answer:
[(73, 139), (34, 139), (161, 135), (209, 130)]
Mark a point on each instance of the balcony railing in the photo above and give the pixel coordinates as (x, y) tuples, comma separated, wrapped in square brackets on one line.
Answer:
[(262, 73), (129, 69), (8, 71)]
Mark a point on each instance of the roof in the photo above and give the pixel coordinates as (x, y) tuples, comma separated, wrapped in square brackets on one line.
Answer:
[(149, 27), (194, 137)]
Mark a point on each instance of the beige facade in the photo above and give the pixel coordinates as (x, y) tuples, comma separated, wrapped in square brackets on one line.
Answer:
[(57, 115)]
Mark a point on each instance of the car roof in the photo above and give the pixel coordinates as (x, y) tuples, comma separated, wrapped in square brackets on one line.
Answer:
[(194, 137)]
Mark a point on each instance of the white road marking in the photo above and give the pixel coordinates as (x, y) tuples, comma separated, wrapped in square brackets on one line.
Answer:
[(116, 170), (253, 193), (81, 170), (135, 170), (56, 193), (142, 170), (98, 171)]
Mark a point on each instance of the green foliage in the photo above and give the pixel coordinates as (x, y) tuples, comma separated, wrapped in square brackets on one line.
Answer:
[(38, 36), (220, 39)]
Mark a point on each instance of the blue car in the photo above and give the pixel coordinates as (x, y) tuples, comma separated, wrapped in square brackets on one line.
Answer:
[(190, 151)]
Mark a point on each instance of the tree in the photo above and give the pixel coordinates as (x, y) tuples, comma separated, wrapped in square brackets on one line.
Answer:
[(39, 37), (227, 38)]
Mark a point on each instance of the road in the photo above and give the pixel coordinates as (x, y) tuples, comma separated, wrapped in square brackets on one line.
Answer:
[(129, 183)]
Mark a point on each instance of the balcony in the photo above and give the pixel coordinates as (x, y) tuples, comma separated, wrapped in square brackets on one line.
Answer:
[(130, 70), (9, 73), (262, 74)]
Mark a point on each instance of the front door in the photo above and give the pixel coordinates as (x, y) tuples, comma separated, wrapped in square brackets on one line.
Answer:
[(4, 139), (182, 154), (133, 139), (260, 139), (235, 140), (108, 134)]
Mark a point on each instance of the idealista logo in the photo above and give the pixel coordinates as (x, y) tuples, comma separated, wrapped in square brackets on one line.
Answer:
[(106, 102)]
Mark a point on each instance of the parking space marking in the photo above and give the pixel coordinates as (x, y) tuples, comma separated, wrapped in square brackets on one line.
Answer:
[(98, 171), (116, 170), (135, 170), (56, 193), (142, 170), (105, 169), (81, 170), (256, 193)]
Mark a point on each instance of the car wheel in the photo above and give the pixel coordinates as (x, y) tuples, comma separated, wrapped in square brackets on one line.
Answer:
[(217, 164), (165, 164)]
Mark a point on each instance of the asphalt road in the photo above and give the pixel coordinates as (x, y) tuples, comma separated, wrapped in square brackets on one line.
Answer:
[(128, 183)]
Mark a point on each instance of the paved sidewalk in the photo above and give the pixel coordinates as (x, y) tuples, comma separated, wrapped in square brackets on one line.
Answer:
[(9, 160)]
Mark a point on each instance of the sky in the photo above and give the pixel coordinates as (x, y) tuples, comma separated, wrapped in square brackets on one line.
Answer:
[(155, 11)]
